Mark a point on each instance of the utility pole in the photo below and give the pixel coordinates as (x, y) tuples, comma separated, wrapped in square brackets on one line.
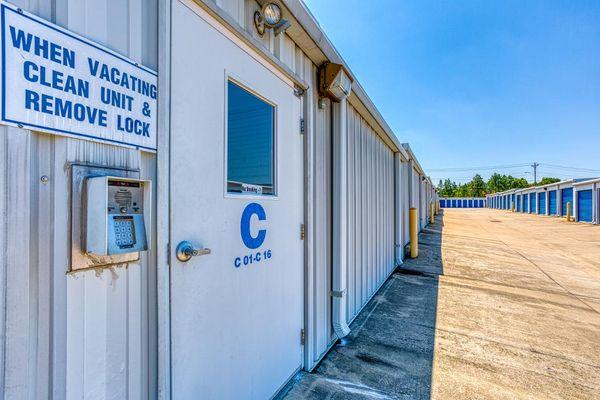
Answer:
[(534, 166)]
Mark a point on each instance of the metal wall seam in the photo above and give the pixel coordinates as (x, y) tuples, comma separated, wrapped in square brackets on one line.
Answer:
[(3, 249), (17, 330), (358, 213), (351, 186)]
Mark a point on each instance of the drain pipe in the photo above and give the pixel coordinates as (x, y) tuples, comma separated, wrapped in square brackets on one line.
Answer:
[(340, 229)]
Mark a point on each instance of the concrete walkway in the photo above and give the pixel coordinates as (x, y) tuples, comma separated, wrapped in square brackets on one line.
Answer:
[(497, 306)]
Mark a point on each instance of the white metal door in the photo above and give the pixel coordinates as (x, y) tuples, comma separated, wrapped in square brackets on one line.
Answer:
[(236, 313)]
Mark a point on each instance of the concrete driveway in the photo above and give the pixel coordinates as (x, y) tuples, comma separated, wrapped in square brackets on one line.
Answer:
[(498, 305)]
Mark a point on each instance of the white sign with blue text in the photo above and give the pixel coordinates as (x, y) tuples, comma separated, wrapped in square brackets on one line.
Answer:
[(58, 82)]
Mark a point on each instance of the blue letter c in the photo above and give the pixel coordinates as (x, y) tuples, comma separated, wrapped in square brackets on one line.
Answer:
[(250, 210)]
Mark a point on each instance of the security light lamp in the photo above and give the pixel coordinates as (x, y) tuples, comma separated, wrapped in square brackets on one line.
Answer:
[(334, 83), (270, 17), (271, 14)]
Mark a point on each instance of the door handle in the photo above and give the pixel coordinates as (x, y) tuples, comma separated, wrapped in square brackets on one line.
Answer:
[(185, 251)]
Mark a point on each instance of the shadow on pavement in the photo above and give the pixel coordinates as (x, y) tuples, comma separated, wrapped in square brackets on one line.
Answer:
[(389, 353)]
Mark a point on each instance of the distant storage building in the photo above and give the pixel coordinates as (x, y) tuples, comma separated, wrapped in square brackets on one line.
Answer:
[(583, 195), (587, 200), (467, 202)]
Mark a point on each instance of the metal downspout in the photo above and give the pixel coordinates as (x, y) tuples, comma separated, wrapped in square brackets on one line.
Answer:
[(340, 234)]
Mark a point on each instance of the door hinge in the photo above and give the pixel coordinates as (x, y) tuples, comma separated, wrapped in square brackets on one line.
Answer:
[(302, 126), (302, 337), (302, 234), (168, 253)]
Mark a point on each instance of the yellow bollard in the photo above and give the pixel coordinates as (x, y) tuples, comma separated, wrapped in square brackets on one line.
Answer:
[(431, 213), (438, 207), (414, 233), (568, 211)]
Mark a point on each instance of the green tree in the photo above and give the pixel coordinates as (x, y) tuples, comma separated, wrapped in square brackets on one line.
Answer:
[(520, 183), (546, 181), (497, 183), (448, 189), (500, 183), (463, 190), (477, 187)]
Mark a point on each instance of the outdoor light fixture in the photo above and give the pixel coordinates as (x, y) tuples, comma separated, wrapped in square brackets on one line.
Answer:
[(281, 27), (334, 82), (271, 14), (270, 17)]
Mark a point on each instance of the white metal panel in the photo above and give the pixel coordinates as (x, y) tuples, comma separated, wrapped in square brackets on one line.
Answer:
[(406, 201), (3, 255), (235, 8), (416, 192), (322, 231), (81, 335), (318, 217), (19, 334), (370, 212), (353, 184), (597, 205), (422, 202)]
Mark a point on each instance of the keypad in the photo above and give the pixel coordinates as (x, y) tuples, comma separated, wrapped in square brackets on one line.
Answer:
[(124, 232)]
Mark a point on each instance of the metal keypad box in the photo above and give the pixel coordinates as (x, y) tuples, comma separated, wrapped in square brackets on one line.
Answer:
[(117, 215)]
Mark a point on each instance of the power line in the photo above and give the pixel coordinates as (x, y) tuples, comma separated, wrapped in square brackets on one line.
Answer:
[(555, 170), (463, 169), (571, 168), (463, 177), (509, 166), (559, 171)]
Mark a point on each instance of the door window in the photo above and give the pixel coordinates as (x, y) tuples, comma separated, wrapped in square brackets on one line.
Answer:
[(250, 142)]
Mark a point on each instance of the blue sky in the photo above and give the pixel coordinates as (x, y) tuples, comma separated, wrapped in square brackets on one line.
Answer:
[(479, 83)]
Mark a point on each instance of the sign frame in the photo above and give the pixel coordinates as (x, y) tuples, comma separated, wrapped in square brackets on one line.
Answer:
[(6, 120)]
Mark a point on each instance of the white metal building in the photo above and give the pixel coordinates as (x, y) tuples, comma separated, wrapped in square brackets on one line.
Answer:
[(462, 202), (552, 199), (586, 197), (276, 200)]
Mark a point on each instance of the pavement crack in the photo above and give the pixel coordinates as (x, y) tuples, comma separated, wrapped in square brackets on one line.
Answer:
[(550, 277), (529, 349)]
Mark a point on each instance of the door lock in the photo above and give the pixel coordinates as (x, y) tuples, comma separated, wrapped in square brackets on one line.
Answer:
[(185, 251)]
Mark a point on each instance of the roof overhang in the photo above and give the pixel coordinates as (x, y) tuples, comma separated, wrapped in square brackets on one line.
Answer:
[(312, 40), (308, 35), (412, 157)]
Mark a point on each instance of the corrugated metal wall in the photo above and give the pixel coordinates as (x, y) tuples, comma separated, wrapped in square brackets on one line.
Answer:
[(101, 327), (422, 202), (321, 240), (370, 212), (416, 191), (407, 203), (90, 334)]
